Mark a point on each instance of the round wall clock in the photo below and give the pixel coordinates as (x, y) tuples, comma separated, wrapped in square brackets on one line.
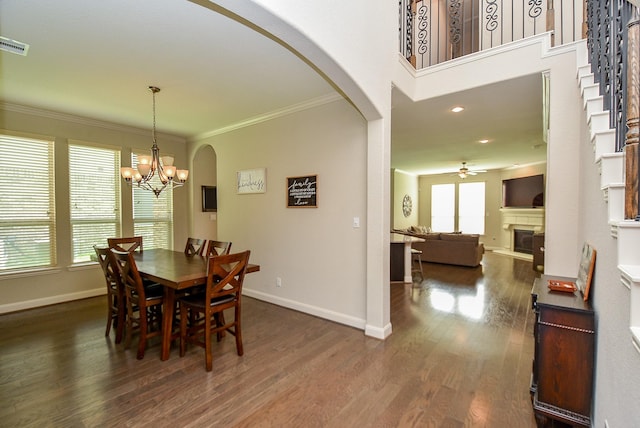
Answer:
[(407, 205)]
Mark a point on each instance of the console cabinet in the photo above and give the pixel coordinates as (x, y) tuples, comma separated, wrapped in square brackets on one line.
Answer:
[(563, 365)]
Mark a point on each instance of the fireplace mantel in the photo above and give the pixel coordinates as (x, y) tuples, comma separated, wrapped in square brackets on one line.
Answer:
[(523, 218)]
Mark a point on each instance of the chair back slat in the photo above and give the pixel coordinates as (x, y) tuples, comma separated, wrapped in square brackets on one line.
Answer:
[(132, 243), (128, 270), (105, 263), (226, 274), (218, 248), (195, 246)]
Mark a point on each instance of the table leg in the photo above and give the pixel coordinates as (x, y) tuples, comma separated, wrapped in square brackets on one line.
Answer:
[(167, 321)]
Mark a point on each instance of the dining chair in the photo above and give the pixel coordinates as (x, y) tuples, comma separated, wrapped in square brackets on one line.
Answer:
[(131, 243), (195, 246), (217, 248), (222, 293), (144, 303), (116, 307)]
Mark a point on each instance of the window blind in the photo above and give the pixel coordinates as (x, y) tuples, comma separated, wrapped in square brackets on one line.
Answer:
[(94, 193), (443, 207), (153, 217), (471, 211), (27, 213)]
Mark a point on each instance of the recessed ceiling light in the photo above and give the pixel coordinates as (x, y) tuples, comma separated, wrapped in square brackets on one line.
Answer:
[(457, 109), (483, 141)]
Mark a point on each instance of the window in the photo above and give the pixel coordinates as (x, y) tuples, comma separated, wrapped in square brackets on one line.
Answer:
[(153, 216), (443, 205), (471, 207), (94, 194), (27, 213)]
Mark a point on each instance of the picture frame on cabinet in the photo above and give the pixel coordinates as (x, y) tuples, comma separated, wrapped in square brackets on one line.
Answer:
[(585, 270)]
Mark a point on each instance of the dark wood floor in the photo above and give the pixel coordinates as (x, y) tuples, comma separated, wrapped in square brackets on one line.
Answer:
[(459, 356)]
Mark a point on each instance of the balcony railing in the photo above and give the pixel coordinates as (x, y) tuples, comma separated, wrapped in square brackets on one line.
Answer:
[(435, 31)]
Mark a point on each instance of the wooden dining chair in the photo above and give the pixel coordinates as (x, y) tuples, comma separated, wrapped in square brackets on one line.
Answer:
[(144, 303), (116, 307), (131, 243), (195, 246), (218, 248), (222, 293)]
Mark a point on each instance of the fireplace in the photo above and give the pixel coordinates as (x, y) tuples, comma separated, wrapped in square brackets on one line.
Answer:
[(523, 241), (526, 222)]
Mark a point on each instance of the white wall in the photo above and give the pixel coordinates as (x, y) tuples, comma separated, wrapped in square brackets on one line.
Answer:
[(354, 45), (404, 184), (318, 254), (617, 393), (66, 281)]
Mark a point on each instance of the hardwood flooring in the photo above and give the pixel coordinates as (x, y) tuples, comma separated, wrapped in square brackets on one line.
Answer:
[(460, 356)]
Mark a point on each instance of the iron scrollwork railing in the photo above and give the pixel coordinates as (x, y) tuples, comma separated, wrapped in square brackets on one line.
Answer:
[(434, 31), (607, 43), (613, 49)]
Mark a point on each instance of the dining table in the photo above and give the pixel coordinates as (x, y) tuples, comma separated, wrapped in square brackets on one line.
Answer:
[(175, 271)]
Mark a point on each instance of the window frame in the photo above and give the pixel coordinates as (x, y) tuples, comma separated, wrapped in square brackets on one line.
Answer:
[(30, 213), (114, 219)]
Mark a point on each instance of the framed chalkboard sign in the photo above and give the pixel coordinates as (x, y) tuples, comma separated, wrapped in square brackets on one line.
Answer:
[(302, 192)]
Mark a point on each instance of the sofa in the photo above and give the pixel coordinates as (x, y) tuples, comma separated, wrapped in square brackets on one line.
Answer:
[(460, 249)]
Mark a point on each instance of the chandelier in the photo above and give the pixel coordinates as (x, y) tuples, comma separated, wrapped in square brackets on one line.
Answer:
[(155, 166)]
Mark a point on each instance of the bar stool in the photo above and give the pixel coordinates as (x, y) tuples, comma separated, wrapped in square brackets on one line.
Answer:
[(417, 254)]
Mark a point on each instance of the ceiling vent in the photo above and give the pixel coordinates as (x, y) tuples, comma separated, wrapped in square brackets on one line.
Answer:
[(13, 46)]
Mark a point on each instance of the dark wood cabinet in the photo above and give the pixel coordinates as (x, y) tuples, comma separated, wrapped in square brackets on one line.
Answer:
[(563, 365)]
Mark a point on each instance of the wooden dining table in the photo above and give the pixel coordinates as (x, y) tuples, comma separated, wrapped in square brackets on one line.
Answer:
[(175, 271)]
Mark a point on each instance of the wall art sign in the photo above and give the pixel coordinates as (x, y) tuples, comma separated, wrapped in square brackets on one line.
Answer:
[(302, 192), (252, 181)]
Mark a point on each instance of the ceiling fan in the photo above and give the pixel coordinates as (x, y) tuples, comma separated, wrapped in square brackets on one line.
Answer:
[(464, 172)]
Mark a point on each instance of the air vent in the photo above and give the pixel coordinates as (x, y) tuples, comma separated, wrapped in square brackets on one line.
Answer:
[(13, 46)]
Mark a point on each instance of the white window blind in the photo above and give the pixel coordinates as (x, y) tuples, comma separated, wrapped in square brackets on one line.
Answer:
[(443, 206), (471, 207), (27, 204), (153, 217), (94, 193)]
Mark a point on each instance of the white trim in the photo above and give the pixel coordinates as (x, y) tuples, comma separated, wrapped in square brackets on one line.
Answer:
[(17, 108), (307, 309), (24, 273), (46, 301), (305, 105), (543, 39), (378, 333)]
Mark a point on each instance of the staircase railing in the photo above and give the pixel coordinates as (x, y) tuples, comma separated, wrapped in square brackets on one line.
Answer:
[(607, 40), (435, 31), (613, 38)]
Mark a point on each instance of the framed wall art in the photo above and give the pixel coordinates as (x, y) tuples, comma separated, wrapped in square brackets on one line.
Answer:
[(302, 192), (585, 271), (252, 181), (209, 199)]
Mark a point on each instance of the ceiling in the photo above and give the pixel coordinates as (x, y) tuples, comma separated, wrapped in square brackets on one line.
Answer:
[(97, 59)]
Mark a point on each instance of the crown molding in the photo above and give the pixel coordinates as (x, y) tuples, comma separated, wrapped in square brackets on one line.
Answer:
[(316, 102), (85, 121)]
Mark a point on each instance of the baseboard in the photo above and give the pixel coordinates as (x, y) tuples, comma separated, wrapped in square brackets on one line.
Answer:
[(307, 309), (378, 333), (514, 254), (52, 300)]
